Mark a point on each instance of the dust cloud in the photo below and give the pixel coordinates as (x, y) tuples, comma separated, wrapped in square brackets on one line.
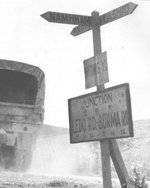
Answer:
[(55, 156)]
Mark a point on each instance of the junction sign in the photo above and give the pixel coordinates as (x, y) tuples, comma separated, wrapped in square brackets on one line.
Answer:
[(102, 115)]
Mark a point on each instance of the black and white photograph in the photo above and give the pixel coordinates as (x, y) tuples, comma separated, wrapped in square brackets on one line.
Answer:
[(74, 94)]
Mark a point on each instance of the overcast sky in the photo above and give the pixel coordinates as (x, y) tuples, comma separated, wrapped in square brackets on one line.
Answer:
[(27, 37)]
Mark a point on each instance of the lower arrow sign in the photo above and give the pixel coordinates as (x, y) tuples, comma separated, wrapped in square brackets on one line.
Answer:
[(79, 30)]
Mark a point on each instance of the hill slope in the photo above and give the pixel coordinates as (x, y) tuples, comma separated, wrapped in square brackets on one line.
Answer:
[(54, 154), (49, 130)]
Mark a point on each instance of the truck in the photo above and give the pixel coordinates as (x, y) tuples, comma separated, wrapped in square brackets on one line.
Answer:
[(22, 93)]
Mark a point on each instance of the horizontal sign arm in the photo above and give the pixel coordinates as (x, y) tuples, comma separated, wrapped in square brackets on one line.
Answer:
[(117, 13), (64, 18)]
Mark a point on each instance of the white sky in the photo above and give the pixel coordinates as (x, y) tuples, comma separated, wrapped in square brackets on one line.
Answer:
[(27, 37)]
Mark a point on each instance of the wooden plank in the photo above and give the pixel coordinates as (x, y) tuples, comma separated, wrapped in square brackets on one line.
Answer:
[(106, 167), (117, 13), (78, 30), (64, 18), (119, 164), (105, 152)]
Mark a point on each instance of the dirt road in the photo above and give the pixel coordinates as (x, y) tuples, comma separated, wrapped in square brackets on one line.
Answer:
[(18, 180)]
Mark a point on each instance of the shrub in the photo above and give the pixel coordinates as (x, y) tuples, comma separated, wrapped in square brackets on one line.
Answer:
[(139, 179)]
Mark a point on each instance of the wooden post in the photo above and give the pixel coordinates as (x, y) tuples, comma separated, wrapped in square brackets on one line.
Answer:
[(105, 152), (119, 164)]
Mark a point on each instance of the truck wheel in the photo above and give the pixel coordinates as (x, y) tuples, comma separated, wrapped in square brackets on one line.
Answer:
[(23, 159)]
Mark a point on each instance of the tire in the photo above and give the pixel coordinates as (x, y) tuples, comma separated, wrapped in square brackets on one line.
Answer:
[(23, 160)]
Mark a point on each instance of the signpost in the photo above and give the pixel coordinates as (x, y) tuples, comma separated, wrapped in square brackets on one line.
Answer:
[(106, 114), (105, 152)]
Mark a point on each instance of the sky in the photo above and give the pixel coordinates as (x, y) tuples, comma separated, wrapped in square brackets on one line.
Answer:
[(26, 37)]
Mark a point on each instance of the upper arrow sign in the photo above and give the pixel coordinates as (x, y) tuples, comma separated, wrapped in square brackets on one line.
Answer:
[(117, 13), (68, 18), (108, 17)]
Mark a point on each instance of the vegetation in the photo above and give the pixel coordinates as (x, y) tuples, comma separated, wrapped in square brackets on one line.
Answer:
[(139, 179)]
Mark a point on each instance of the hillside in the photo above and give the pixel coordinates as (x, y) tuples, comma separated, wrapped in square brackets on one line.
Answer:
[(136, 150), (49, 130), (55, 155)]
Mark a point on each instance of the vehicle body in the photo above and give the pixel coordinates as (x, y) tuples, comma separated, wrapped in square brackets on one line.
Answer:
[(22, 92)]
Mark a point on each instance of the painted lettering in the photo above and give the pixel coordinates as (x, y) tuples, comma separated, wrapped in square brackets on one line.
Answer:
[(79, 126), (113, 119), (109, 120), (105, 98), (89, 124), (124, 117), (92, 124), (126, 8), (58, 17), (101, 121), (93, 102), (104, 65), (52, 16), (119, 12), (76, 19), (118, 123), (122, 131), (115, 14), (71, 19), (87, 20), (64, 18)]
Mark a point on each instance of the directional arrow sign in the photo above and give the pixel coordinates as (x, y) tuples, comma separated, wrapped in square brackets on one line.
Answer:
[(108, 17), (74, 19), (80, 29), (117, 13)]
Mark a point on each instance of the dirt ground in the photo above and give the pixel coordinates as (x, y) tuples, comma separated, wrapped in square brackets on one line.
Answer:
[(20, 180)]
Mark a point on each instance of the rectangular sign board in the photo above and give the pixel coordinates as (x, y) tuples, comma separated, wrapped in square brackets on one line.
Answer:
[(101, 115), (64, 18), (102, 69), (90, 72), (96, 70)]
